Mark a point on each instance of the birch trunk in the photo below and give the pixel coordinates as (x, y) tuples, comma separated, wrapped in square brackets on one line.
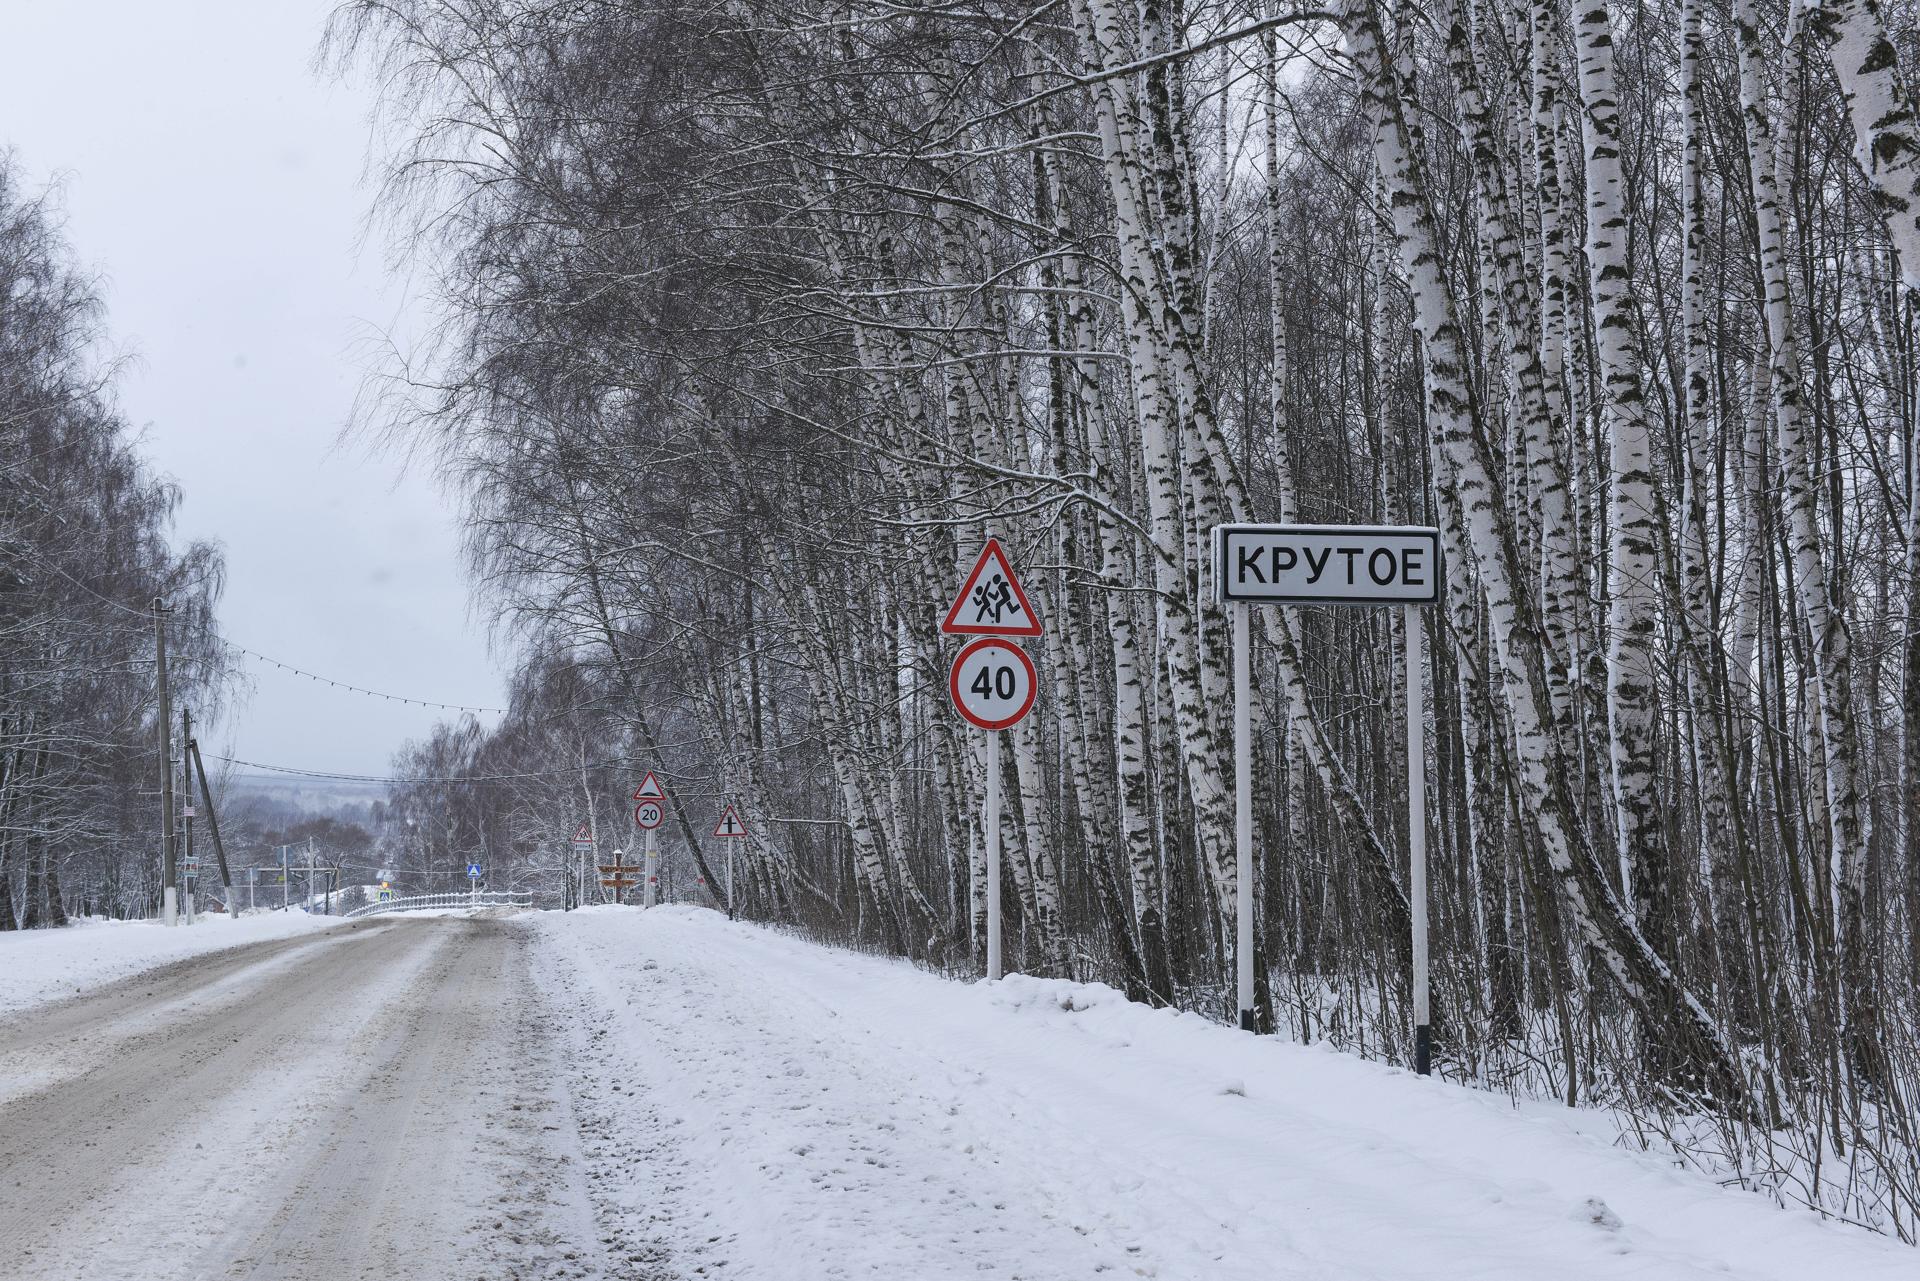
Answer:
[(1632, 566), (1453, 418), (1825, 621)]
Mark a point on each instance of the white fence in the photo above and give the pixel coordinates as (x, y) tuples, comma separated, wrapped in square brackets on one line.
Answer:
[(442, 902)]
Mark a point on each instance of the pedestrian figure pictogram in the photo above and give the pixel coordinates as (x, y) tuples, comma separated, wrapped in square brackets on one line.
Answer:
[(993, 599)]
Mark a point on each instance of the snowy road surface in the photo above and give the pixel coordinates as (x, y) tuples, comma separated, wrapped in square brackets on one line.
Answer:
[(612, 1094), (44, 965), (372, 1101)]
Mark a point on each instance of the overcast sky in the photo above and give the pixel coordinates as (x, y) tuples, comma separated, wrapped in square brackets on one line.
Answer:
[(215, 183)]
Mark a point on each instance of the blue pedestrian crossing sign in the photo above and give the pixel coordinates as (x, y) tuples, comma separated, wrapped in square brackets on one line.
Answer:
[(473, 871)]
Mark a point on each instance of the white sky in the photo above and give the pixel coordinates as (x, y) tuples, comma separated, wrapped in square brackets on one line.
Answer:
[(215, 182)]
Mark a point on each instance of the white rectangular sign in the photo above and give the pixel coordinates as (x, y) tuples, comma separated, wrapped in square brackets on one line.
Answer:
[(1327, 564)]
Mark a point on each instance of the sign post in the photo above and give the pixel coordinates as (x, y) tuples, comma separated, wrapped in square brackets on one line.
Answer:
[(1330, 565), (730, 829), (648, 814), (473, 884), (993, 685), (617, 876), (191, 868), (582, 844)]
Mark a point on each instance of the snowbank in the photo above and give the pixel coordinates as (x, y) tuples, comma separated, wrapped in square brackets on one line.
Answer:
[(47, 965), (766, 1108)]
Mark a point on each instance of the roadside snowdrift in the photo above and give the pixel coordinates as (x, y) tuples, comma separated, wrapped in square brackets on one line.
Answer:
[(47, 965), (766, 1108)]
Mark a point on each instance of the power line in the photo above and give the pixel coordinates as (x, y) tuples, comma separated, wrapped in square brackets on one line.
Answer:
[(420, 778)]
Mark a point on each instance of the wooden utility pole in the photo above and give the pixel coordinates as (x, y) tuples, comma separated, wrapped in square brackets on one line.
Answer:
[(213, 830), (169, 898)]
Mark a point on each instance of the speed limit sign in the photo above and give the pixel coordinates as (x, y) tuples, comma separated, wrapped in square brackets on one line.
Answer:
[(647, 814), (993, 683)]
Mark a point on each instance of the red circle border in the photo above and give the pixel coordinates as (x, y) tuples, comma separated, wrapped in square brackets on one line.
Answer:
[(953, 683)]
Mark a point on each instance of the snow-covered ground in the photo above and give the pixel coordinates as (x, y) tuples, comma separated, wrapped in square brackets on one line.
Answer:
[(47, 965), (753, 1106)]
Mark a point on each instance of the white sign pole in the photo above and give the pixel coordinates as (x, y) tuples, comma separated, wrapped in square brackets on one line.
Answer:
[(646, 891), (993, 685), (1243, 812), (729, 880), (1332, 565), (993, 854), (1417, 838)]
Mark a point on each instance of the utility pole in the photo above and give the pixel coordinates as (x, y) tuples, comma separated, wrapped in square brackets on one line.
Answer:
[(186, 831), (169, 899), (213, 830), (286, 879)]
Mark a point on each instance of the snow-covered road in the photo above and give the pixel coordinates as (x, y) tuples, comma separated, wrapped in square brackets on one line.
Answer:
[(666, 1096), (375, 1101), (759, 1107)]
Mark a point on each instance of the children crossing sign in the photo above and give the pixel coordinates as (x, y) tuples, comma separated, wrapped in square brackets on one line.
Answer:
[(583, 837), (992, 602)]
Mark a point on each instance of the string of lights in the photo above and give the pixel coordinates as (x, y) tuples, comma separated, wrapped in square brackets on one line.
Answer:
[(356, 689), (257, 656)]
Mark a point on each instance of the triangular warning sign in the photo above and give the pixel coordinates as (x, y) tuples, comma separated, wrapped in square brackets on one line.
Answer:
[(730, 824), (649, 789), (583, 834), (992, 602)]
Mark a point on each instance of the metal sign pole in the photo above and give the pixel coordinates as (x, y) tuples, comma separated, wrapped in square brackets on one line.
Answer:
[(729, 880), (993, 685), (1243, 812), (1359, 565), (1417, 838), (646, 892), (993, 854)]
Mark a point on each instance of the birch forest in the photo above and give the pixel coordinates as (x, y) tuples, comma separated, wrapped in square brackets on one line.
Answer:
[(753, 320)]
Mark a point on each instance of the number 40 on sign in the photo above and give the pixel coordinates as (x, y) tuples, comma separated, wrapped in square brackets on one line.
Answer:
[(993, 683)]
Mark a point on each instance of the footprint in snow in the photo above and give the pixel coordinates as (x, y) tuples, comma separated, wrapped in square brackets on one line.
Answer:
[(1595, 1211)]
